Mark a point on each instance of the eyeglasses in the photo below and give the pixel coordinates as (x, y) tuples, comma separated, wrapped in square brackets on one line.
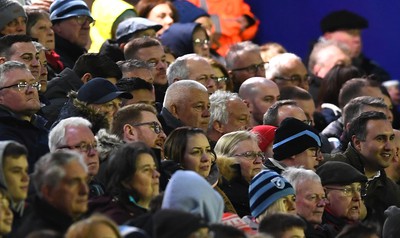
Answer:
[(349, 191), (153, 125), (296, 79), (82, 147), (316, 151), (201, 42), (23, 86), (220, 79), (252, 68), (252, 155), (81, 20), (308, 122)]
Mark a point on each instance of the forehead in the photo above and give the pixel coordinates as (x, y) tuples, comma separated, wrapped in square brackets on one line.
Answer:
[(152, 52), (78, 133), (306, 105), (74, 169), (16, 75), (332, 54), (198, 139), (199, 67), (161, 8), (20, 48), (143, 94), (294, 66), (148, 116), (309, 187), (292, 111), (196, 95), (379, 127), (246, 58), (266, 88), (236, 105), (199, 33)]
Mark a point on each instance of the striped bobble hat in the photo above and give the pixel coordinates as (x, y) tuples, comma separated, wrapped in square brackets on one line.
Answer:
[(265, 189)]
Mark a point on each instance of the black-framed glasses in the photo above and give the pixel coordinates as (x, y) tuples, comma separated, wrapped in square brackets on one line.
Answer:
[(201, 42), (348, 191), (82, 147), (81, 20), (296, 79), (316, 151), (252, 68), (23, 86), (252, 155), (153, 125)]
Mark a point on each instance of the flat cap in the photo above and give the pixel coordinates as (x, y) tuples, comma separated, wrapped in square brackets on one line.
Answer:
[(339, 173), (342, 20)]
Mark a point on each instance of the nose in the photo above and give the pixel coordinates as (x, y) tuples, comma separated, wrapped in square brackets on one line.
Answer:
[(25, 176), (156, 174), (84, 188), (322, 202), (206, 113), (260, 72), (50, 31), (211, 85), (356, 196), (168, 20), (205, 157)]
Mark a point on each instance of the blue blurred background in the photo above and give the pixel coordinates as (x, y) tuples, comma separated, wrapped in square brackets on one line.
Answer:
[(295, 24)]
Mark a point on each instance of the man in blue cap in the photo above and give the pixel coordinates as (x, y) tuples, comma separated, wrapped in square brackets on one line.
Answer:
[(71, 24)]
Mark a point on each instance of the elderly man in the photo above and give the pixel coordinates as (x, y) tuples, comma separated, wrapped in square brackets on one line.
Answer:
[(186, 103), (152, 52), (345, 187), (228, 112), (74, 133), (287, 69), (60, 179), (19, 101), (244, 61), (193, 67), (370, 151), (295, 144), (310, 198), (259, 94), (347, 31), (283, 109), (20, 48), (71, 24), (13, 18)]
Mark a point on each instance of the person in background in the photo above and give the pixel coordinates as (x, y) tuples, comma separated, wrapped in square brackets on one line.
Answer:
[(283, 225), (94, 226), (13, 18), (6, 214)]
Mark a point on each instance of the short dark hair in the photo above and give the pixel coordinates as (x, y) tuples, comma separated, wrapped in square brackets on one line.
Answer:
[(144, 8), (353, 88), (133, 46), (358, 127), (276, 224), (97, 65), (355, 107), (226, 231), (271, 115), (15, 149), (358, 230), (6, 42), (295, 93), (135, 83)]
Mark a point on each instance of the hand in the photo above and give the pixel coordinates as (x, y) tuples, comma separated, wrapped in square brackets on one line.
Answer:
[(41, 4)]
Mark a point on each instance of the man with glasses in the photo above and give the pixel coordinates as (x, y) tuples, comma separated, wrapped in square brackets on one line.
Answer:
[(19, 101), (244, 61), (295, 144), (287, 69), (71, 24), (75, 134), (371, 150), (193, 67), (345, 188)]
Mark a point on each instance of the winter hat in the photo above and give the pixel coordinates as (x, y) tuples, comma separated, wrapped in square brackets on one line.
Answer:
[(178, 38), (189, 192), (293, 137), (188, 12), (63, 9), (132, 25), (175, 224), (266, 134), (339, 173), (265, 189), (10, 10), (99, 91), (342, 20)]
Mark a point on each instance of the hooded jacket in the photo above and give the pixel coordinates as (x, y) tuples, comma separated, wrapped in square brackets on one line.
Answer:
[(188, 191), (179, 38)]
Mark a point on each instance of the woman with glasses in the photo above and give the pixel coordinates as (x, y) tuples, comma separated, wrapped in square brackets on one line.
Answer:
[(132, 182), (188, 148), (221, 74), (239, 160)]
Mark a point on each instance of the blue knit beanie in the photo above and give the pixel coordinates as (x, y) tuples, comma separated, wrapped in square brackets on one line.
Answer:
[(63, 9), (265, 189)]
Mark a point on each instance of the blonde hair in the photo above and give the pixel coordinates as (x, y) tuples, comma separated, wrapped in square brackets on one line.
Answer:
[(85, 228), (277, 207)]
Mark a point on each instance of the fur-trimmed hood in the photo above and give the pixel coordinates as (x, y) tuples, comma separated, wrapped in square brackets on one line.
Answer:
[(229, 167), (107, 143)]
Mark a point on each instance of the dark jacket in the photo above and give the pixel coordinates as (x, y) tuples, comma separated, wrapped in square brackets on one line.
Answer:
[(369, 67), (168, 121), (69, 52), (32, 134), (333, 225), (381, 191), (43, 216), (334, 129), (119, 208), (57, 92), (111, 49)]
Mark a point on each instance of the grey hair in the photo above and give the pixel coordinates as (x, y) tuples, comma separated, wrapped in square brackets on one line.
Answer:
[(178, 69), (9, 66), (57, 133), (271, 115), (237, 49), (49, 169), (279, 63), (356, 106), (320, 46), (227, 144), (39, 47), (218, 106), (178, 92), (132, 64), (296, 176)]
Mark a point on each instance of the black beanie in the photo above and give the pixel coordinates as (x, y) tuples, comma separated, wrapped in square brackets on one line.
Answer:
[(293, 137), (339, 173), (170, 223), (342, 20)]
